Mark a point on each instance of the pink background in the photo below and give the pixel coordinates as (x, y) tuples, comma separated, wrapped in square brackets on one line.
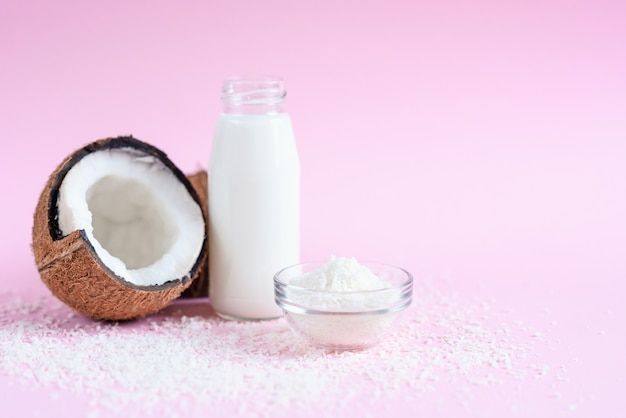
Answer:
[(480, 141)]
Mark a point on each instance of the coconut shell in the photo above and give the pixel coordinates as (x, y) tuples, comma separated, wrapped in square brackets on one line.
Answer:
[(200, 286), (70, 267)]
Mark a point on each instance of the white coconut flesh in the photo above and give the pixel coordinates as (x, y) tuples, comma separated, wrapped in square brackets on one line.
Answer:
[(140, 219)]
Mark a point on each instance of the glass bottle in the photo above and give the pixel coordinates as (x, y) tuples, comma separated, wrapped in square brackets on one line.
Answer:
[(254, 198)]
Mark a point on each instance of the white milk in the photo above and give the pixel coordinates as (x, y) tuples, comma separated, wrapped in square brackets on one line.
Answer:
[(254, 197)]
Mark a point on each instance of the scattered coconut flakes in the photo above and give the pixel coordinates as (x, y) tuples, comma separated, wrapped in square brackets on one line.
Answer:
[(184, 362)]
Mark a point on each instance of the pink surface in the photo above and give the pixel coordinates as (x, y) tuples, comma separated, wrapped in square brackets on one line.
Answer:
[(480, 145)]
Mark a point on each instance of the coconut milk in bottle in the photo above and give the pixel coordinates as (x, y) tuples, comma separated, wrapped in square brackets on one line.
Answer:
[(254, 198)]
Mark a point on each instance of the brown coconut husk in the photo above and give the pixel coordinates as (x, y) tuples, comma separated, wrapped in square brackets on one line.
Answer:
[(200, 286), (70, 267)]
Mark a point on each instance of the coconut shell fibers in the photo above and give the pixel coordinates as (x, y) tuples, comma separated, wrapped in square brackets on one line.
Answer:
[(200, 286), (70, 267)]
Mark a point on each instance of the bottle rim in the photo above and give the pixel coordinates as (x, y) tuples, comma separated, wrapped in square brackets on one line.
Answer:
[(253, 90)]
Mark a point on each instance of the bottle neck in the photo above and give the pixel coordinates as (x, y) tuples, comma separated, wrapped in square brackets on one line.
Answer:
[(253, 95)]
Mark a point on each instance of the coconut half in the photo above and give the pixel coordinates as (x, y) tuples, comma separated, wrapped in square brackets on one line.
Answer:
[(200, 285), (119, 231)]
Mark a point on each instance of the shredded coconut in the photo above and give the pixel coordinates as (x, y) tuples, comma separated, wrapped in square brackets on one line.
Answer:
[(340, 274), (366, 305), (187, 362), (342, 285)]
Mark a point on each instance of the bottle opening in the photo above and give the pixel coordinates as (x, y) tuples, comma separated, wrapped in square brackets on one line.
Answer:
[(253, 94)]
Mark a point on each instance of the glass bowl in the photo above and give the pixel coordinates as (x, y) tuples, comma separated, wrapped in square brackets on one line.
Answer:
[(343, 320)]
